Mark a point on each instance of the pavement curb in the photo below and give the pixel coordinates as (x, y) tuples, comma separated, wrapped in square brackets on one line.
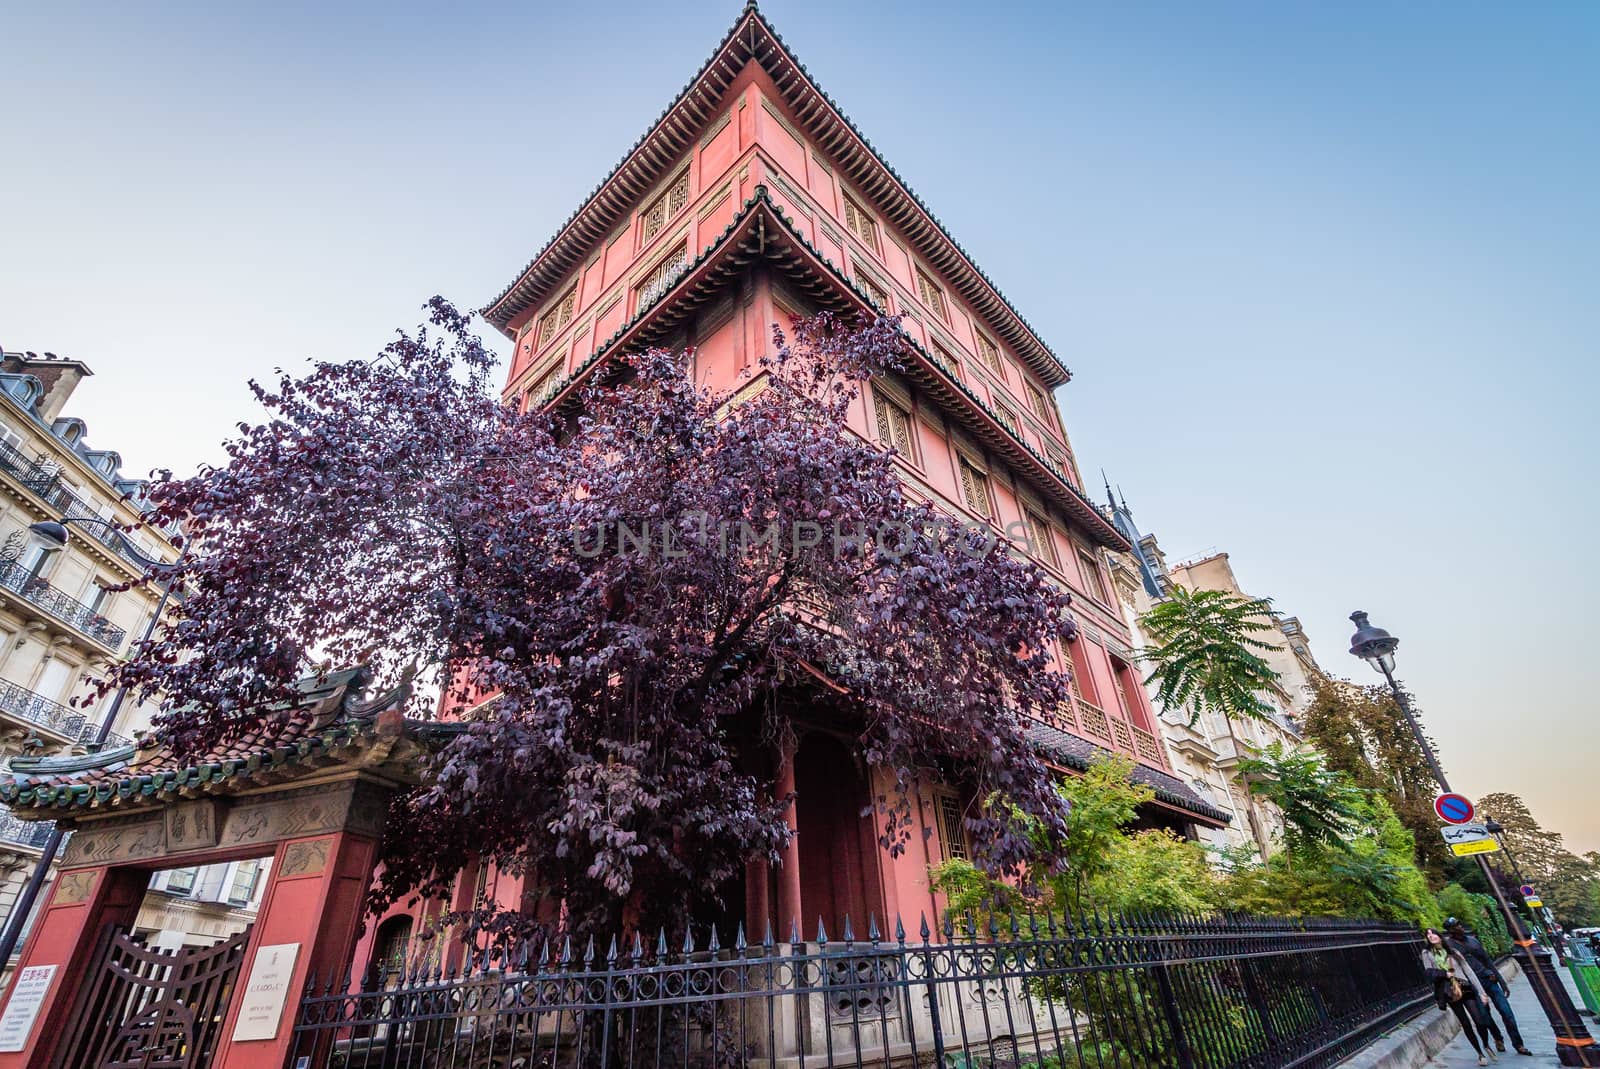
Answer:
[(1413, 1044)]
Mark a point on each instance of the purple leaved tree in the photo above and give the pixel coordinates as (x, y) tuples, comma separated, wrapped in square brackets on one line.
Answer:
[(627, 599)]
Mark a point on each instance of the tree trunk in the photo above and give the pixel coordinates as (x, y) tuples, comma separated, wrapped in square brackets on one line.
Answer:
[(1257, 825)]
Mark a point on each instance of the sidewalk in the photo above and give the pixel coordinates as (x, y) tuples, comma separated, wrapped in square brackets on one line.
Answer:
[(1535, 1032)]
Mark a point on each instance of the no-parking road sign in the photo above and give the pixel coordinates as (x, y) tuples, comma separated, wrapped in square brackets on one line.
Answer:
[(1454, 808)]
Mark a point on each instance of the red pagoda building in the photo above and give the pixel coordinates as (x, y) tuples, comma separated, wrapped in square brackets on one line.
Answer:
[(751, 200)]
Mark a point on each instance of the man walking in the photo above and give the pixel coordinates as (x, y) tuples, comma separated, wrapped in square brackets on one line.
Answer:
[(1478, 958)]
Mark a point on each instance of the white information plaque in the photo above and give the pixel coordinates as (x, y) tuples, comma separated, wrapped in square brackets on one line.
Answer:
[(266, 992), (27, 995)]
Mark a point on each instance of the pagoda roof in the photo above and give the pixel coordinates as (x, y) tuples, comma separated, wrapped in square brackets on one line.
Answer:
[(674, 131), (760, 230), (1075, 753), (325, 725)]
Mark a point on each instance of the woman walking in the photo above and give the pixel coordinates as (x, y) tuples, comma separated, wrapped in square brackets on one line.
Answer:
[(1455, 986)]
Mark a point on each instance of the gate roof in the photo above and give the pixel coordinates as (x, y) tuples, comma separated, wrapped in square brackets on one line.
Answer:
[(326, 725)]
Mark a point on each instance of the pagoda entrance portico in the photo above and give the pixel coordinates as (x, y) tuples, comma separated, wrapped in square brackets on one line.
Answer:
[(310, 792)]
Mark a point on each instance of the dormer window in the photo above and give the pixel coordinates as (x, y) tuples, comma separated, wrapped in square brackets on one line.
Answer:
[(669, 204)]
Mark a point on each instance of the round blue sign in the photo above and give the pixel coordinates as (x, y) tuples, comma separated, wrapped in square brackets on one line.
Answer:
[(1453, 808)]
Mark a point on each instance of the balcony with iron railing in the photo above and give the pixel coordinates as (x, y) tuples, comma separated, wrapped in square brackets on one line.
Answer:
[(47, 485), (20, 703), (59, 605), (27, 833)]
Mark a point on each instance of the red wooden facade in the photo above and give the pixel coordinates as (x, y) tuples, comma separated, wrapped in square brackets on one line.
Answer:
[(752, 200)]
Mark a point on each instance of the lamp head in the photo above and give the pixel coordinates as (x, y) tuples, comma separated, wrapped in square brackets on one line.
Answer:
[(1373, 644), (51, 533)]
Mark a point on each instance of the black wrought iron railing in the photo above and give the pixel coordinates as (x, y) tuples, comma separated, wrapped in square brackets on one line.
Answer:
[(1119, 993), (20, 703), (112, 741), (47, 484), (64, 607), (32, 833)]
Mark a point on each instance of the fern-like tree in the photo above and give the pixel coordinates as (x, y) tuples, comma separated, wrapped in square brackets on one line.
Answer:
[(1205, 657), (1321, 807)]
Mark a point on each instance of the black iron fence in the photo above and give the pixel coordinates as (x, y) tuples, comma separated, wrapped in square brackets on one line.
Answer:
[(1106, 993)]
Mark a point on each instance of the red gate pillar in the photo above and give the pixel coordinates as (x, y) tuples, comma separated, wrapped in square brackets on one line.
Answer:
[(789, 904), (65, 937), (310, 916)]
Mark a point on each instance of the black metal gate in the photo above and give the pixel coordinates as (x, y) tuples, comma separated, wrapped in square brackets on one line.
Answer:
[(146, 1007)]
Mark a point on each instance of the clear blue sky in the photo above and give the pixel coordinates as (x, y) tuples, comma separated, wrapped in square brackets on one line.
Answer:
[(1328, 275)]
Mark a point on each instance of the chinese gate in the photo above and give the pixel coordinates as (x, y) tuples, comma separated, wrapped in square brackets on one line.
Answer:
[(146, 1007)]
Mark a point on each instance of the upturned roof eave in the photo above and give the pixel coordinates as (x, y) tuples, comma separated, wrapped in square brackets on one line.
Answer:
[(662, 145), (1041, 474)]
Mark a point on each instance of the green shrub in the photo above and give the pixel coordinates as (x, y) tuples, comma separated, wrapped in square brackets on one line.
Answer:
[(1481, 913)]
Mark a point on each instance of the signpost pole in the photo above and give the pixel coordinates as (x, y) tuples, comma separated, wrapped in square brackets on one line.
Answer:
[(1574, 1046)]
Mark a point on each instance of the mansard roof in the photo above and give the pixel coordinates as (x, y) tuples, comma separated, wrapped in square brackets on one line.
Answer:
[(760, 230), (674, 131)]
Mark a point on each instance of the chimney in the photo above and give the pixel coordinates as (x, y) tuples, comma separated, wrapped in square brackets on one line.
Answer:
[(58, 375)]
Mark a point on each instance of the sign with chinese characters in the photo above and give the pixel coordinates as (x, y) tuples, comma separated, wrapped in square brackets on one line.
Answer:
[(265, 992), (27, 995)]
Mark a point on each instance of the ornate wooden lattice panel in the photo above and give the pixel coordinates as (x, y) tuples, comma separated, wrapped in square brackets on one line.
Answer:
[(146, 1007)]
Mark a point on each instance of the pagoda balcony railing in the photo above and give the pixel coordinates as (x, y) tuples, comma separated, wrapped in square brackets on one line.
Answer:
[(20, 703), (29, 833), (46, 483), (1093, 718), (58, 604), (1088, 719), (1148, 747)]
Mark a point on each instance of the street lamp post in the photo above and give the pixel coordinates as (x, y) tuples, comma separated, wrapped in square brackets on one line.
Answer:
[(1495, 828), (1574, 1045), (54, 535)]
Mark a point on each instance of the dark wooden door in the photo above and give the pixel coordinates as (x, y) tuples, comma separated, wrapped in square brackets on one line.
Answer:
[(146, 1007)]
